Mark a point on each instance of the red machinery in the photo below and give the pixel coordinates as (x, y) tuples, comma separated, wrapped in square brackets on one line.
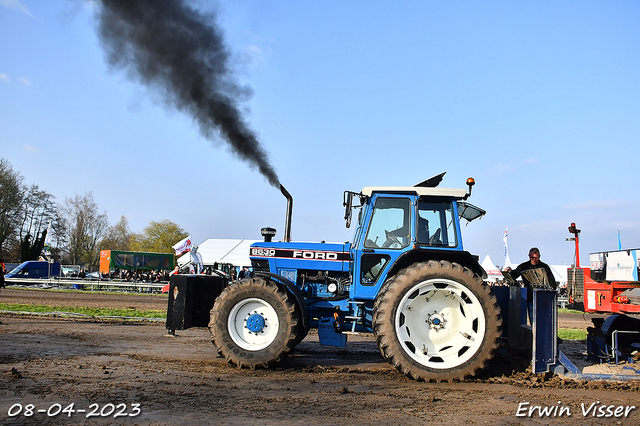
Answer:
[(603, 296), (609, 285)]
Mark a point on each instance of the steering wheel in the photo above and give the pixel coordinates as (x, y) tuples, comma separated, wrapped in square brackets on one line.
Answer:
[(392, 241)]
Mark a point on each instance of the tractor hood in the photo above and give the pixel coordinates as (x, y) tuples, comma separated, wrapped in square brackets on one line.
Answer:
[(283, 256)]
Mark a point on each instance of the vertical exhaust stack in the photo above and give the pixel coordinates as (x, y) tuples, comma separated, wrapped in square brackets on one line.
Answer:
[(287, 223)]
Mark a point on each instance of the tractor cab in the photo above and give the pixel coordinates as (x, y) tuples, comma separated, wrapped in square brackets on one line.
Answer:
[(397, 225)]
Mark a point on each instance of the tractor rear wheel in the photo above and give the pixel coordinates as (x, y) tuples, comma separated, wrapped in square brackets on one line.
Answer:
[(437, 321), (254, 323)]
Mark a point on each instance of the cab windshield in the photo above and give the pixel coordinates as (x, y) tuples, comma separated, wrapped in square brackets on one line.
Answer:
[(390, 225)]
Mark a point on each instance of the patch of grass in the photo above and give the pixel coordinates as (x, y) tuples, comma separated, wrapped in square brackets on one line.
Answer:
[(569, 311), (96, 312), (572, 334)]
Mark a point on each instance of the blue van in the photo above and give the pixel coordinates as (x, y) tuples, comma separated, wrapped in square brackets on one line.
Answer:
[(35, 269)]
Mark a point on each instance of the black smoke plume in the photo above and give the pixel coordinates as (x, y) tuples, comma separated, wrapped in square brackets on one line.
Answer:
[(181, 54)]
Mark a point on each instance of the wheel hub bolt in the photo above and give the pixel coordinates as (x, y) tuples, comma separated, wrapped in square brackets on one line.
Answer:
[(436, 321)]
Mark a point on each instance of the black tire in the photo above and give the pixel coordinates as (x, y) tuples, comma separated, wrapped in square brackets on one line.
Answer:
[(254, 323), (437, 321), (300, 330), (301, 333)]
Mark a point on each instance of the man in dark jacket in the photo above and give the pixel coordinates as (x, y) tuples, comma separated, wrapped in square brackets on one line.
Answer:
[(533, 263)]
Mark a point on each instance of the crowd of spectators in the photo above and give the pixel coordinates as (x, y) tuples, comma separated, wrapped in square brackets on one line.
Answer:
[(138, 276), (159, 276)]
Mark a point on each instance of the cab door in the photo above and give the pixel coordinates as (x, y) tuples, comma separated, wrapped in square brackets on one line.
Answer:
[(386, 233)]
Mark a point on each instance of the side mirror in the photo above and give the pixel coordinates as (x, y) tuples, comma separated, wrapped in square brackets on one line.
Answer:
[(348, 203)]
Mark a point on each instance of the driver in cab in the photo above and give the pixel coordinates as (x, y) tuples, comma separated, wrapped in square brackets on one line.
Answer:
[(403, 232)]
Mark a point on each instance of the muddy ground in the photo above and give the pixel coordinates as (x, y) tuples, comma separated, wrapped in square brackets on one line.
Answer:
[(112, 365)]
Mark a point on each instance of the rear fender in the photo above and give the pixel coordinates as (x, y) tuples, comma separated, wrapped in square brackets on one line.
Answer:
[(293, 289), (463, 258)]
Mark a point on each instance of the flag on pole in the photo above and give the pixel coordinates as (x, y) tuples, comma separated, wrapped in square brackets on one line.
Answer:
[(619, 243), (47, 241), (507, 261), (183, 246)]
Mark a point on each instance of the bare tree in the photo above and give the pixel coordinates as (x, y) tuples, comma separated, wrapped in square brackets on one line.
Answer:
[(85, 227), (11, 195), (37, 211), (118, 237)]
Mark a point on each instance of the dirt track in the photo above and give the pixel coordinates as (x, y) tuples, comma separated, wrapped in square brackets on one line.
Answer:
[(159, 302), (180, 380)]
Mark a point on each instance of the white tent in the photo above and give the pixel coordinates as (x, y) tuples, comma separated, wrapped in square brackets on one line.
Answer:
[(560, 274), (493, 273), (214, 250)]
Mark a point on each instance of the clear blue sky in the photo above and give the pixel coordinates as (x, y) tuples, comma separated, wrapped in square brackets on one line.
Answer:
[(539, 101)]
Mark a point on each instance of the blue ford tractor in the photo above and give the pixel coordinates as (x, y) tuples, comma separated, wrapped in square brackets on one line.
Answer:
[(405, 277)]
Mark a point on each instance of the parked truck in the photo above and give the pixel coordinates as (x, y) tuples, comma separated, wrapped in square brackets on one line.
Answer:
[(405, 277)]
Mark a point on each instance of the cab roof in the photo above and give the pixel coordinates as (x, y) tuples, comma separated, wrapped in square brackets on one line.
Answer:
[(417, 190)]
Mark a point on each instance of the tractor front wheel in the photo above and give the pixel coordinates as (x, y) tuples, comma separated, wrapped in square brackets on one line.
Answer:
[(254, 323)]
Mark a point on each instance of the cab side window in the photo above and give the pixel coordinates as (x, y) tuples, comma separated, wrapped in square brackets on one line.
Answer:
[(371, 267), (435, 225)]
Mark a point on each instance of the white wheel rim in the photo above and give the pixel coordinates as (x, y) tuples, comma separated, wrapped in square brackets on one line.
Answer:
[(440, 323), (253, 324)]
